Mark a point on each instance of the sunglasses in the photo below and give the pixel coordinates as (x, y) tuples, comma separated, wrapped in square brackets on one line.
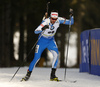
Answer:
[(54, 18)]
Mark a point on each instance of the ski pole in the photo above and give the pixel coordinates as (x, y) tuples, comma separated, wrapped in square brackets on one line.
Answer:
[(26, 57), (67, 49)]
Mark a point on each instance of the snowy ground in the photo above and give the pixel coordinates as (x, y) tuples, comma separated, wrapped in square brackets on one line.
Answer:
[(40, 78)]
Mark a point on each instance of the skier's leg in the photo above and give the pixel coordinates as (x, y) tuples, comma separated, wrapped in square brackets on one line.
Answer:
[(54, 66), (38, 51), (32, 65), (41, 45), (54, 50), (55, 59)]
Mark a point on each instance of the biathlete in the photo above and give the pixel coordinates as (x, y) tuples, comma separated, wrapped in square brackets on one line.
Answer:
[(46, 30)]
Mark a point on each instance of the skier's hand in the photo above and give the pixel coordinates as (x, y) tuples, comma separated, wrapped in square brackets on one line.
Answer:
[(71, 12), (45, 27)]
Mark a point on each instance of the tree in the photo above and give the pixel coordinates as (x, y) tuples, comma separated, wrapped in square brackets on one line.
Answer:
[(5, 34)]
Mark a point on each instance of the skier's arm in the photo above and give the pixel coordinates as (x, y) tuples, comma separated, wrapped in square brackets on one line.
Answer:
[(66, 21), (41, 27)]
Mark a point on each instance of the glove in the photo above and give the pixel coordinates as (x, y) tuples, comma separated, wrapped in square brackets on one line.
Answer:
[(45, 27), (71, 12)]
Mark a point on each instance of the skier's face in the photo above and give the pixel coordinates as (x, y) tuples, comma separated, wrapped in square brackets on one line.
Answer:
[(53, 20)]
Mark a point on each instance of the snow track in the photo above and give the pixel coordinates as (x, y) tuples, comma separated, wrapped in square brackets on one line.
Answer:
[(40, 78)]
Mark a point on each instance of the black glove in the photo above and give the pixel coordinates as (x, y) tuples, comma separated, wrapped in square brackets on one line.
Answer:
[(45, 27), (71, 12)]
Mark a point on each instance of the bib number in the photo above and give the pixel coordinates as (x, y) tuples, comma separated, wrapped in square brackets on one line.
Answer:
[(50, 32)]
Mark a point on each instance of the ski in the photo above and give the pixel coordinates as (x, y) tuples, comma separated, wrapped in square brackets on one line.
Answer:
[(56, 80), (22, 80), (73, 81)]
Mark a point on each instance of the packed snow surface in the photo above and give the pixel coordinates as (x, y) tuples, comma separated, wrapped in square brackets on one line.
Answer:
[(40, 78)]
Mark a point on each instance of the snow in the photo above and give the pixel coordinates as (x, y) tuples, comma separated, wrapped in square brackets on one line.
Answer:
[(40, 78)]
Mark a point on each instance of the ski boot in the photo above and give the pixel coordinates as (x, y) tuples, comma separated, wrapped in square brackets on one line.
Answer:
[(53, 76), (27, 76)]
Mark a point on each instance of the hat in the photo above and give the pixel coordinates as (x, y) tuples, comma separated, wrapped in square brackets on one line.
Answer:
[(54, 14)]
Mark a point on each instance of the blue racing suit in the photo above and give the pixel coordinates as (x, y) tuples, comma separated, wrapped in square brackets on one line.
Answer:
[(46, 40)]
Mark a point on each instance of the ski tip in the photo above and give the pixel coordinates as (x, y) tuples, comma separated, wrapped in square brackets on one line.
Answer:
[(22, 80), (72, 81)]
